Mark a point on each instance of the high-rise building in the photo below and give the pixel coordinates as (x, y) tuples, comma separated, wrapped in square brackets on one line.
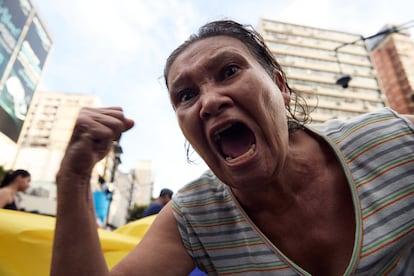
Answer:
[(312, 66), (24, 47), (143, 179), (129, 189), (47, 130), (45, 135), (393, 58), (124, 191)]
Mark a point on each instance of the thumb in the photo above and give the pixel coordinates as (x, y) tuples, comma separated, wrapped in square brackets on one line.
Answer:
[(128, 123)]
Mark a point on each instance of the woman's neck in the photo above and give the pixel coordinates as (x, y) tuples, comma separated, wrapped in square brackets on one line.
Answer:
[(14, 187), (307, 162)]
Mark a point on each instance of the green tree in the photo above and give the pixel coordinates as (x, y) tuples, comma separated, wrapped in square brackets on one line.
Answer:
[(136, 212), (2, 172)]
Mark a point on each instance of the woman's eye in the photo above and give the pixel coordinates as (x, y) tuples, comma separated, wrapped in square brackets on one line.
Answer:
[(229, 71), (186, 95)]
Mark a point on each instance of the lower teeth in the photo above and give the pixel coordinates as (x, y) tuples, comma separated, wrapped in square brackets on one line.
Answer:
[(249, 152)]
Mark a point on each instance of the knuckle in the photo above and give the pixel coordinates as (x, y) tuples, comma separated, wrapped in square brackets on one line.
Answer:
[(84, 110)]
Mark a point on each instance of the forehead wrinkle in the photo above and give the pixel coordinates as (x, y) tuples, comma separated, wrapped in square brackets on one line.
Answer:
[(212, 59), (212, 45), (222, 55), (190, 66)]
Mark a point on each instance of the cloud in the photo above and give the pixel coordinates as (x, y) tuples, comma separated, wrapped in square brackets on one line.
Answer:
[(117, 34), (117, 49), (362, 17)]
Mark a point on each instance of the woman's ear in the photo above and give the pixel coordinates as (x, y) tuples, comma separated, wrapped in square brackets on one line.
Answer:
[(281, 83)]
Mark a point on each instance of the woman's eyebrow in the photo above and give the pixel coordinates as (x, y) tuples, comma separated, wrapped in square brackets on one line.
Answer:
[(178, 80), (221, 57), (211, 64)]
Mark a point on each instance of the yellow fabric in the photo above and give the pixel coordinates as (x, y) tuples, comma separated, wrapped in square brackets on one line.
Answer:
[(26, 242)]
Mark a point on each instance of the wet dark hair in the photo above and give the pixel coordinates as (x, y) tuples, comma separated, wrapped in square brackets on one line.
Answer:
[(11, 175), (299, 115)]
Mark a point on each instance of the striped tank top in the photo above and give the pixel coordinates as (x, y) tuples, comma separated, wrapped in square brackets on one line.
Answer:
[(376, 151)]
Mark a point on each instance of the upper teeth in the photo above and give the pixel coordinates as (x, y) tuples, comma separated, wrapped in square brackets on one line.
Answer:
[(220, 130)]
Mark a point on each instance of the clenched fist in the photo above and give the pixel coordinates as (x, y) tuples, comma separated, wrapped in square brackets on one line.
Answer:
[(93, 134)]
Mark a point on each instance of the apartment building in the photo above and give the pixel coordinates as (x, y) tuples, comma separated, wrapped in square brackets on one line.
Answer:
[(308, 57)]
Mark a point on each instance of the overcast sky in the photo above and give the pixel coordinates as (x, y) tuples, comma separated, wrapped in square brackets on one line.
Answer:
[(116, 49)]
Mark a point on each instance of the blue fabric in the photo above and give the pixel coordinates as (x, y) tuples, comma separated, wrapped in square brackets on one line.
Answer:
[(197, 272), (101, 204), (153, 208)]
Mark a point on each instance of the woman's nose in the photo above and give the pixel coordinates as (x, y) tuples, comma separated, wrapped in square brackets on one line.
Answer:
[(213, 104)]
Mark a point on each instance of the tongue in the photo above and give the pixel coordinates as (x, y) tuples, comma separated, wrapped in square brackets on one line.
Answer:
[(236, 141)]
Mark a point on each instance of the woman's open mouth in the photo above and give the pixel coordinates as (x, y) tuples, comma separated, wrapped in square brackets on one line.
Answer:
[(235, 142)]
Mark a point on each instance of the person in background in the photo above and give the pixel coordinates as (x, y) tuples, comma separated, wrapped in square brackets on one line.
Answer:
[(13, 182), (156, 206)]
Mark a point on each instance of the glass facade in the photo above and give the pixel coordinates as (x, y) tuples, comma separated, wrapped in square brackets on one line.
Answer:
[(24, 46)]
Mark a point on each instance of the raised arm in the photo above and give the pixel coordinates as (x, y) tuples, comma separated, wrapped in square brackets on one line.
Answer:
[(76, 248)]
